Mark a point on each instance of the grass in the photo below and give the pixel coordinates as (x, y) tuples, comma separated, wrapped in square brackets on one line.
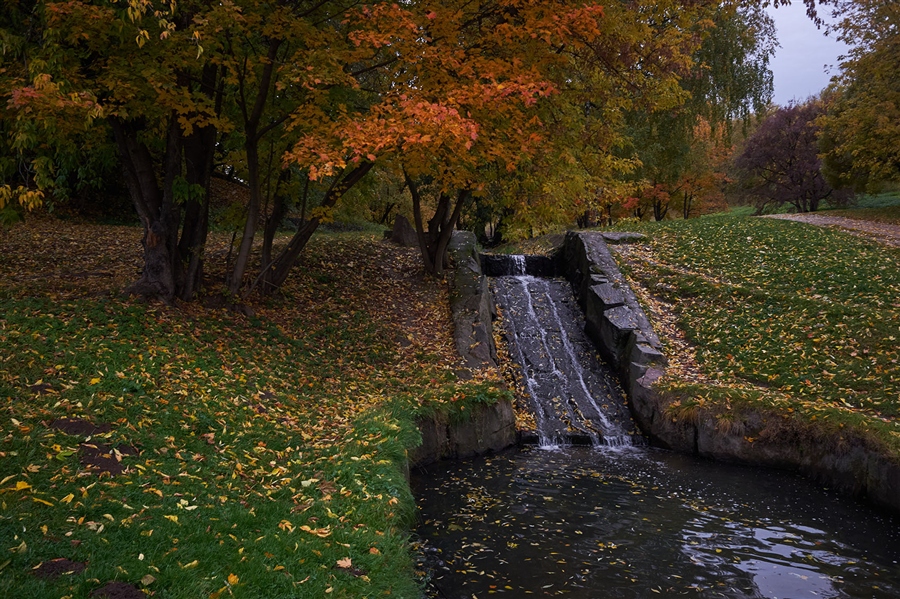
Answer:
[(785, 316), (881, 208), (271, 448)]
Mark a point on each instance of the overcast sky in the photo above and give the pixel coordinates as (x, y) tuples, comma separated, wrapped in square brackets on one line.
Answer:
[(806, 60)]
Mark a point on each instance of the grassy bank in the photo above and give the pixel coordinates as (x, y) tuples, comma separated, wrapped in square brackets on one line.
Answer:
[(880, 208), (785, 318), (201, 452)]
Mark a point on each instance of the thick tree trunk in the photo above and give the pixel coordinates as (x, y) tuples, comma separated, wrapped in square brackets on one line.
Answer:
[(172, 267), (433, 242), (154, 206)]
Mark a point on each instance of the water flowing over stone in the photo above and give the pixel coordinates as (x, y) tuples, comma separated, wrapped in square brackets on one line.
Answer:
[(573, 394)]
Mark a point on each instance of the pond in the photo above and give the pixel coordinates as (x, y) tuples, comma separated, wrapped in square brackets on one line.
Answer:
[(636, 522)]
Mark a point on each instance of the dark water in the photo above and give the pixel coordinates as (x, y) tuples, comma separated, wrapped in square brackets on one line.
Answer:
[(637, 523)]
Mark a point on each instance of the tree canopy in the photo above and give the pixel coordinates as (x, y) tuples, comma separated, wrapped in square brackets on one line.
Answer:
[(862, 125), (780, 162), (514, 105)]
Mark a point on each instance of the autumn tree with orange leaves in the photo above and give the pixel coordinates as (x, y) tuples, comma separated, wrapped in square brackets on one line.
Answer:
[(297, 95)]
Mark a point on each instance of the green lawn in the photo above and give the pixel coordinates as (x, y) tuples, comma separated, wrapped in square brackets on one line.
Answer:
[(882, 208), (270, 449), (785, 316)]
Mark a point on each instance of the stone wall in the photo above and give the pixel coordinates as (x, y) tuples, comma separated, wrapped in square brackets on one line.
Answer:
[(613, 318), (471, 303), (624, 337), (486, 428)]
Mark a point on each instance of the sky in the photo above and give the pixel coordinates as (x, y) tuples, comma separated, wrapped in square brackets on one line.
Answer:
[(807, 58)]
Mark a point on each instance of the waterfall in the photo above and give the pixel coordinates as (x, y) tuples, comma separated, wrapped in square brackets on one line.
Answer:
[(574, 396), (518, 266)]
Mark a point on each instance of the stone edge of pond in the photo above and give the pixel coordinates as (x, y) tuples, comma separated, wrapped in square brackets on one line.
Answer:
[(624, 337)]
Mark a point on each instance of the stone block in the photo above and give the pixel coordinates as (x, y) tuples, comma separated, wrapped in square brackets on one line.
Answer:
[(617, 325), (622, 237), (471, 307), (608, 294), (403, 233), (645, 354)]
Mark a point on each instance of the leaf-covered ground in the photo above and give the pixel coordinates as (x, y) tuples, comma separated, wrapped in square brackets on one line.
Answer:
[(198, 452), (780, 316)]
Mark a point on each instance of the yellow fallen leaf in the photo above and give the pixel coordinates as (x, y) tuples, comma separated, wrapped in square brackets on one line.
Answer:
[(22, 485), (147, 580), (68, 498), (233, 579), (172, 518), (192, 564), (319, 532), (95, 380), (374, 550), (37, 500)]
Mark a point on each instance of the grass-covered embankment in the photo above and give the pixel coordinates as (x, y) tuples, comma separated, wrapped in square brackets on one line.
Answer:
[(787, 319), (269, 448)]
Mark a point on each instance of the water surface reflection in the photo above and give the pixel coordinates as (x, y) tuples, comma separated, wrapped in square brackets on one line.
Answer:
[(635, 522)]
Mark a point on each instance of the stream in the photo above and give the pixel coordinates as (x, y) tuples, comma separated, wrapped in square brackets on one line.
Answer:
[(591, 512)]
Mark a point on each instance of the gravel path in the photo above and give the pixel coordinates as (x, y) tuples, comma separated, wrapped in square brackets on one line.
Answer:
[(881, 232)]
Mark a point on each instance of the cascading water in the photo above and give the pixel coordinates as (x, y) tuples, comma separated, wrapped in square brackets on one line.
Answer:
[(519, 265), (572, 393)]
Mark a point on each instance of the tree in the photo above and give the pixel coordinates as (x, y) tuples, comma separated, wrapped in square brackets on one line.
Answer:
[(780, 164), (175, 83), (729, 79), (862, 124)]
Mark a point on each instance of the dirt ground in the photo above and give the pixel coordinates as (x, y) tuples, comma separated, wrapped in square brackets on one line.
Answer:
[(881, 232)]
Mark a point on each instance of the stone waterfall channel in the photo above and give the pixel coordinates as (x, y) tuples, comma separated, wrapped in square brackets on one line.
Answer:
[(573, 394)]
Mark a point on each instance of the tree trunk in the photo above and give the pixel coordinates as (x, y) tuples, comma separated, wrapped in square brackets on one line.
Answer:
[(274, 220), (199, 155), (155, 206), (275, 273), (252, 136), (251, 147), (686, 206), (659, 210), (433, 242)]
